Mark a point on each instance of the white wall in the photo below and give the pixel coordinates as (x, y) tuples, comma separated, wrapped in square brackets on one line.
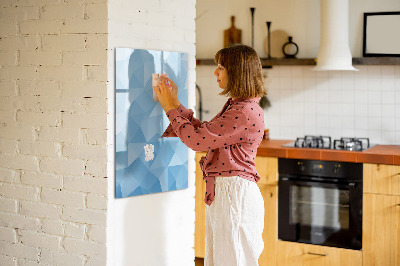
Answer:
[(53, 132), (298, 18), (155, 229), (338, 104)]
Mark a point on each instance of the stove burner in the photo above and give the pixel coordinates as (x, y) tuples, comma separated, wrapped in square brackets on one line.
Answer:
[(308, 141), (351, 144)]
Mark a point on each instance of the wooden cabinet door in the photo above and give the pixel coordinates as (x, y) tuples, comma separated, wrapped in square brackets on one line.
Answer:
[(297, 254), (270, 233), (267, 168), (381, 179), (381, 230), (200, 207)]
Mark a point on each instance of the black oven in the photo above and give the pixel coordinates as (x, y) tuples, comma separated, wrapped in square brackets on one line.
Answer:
[(320, 202)]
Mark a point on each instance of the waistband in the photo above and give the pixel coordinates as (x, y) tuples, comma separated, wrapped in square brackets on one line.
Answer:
[(229, 179)]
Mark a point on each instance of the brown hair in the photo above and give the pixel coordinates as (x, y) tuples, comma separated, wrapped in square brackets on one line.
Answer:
[(245, 78)]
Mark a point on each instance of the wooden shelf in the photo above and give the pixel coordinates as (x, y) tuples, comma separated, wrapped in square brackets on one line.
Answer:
[(312, 61)]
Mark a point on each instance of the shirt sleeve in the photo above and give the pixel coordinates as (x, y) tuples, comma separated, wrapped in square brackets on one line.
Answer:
[(227, 129), (186, 113)]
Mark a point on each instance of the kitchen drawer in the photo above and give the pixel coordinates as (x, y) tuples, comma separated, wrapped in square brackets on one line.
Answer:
[(298, 254), (381, 179)]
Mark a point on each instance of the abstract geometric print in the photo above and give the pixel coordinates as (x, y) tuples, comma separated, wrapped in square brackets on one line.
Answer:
[(144, 162)]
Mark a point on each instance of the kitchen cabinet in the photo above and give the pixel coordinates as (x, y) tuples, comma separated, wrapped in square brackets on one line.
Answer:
[(267, 168), (381, 215), (298, 254), (381, 179), (200, 207)]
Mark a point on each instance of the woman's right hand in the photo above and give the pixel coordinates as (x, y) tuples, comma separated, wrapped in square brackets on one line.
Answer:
[(174, 92)]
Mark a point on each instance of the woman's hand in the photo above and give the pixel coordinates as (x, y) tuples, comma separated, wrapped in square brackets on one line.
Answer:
[(174, 92), (164, 95)]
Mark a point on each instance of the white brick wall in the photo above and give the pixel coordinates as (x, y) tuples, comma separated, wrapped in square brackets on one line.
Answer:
[(53, 107)]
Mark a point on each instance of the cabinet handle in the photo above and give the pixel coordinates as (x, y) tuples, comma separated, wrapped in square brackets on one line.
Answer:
[(318, 254)]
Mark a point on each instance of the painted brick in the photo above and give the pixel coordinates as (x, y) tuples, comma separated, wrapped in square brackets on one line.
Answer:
[(41, 179), (69, 105), (96, 11), (18, 191), (18, 250), (62, 12), (39, 58), (34, 239), (60, 73), (84, 216), (25, 262), (85, 152), (61, 259), (7, 88), (63, 197), (98, 42), (98, 73), (8, 146), (39, 87), (19, 43), (86, 184), (39, 148), (38, 209), (40, 27), (30, 2), (8, 234), (7, 117), (96, 261), (8, 205), (39, 118), (18, 72), (96, 169), (84, 247), (53, 227), (94, 136), (16, 132), (66, 42), (26, 103), (87, 88), (84, 26), (67, 135), (17, 161), (19, 13), (89, 57), (19, 221), (97, 234), (94, 201), (85, 121), (62, 166), (8, 261), (75, 230), (7, 175), (8, 58)]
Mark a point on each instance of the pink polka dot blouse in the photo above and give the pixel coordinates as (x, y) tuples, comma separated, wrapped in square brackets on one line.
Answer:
[(231, 139)]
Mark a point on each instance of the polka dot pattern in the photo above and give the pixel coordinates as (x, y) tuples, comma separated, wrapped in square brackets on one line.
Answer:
[(231, 139)]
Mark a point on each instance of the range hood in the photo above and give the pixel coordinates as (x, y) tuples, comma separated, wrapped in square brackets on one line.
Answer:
[(334, 51)]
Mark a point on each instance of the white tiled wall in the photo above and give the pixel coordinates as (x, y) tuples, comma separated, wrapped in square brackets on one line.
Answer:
[(338, 104)]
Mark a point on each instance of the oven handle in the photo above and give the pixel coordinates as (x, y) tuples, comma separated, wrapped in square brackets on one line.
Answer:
[(297, 181)]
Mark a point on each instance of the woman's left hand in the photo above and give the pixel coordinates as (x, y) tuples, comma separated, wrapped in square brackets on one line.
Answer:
[(164, 95)]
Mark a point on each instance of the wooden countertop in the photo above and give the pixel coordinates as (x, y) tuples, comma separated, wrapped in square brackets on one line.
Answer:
[(379, 154)]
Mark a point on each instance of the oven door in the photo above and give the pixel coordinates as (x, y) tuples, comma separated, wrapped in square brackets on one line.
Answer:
[(321, 212)]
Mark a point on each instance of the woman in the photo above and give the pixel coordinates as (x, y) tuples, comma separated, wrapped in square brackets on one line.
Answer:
[(235, 207)]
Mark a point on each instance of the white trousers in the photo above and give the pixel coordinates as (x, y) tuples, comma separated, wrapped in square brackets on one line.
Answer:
[(234, 223)]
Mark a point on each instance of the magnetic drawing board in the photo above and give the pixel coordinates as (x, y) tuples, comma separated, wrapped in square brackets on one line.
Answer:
[(144, 162)]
